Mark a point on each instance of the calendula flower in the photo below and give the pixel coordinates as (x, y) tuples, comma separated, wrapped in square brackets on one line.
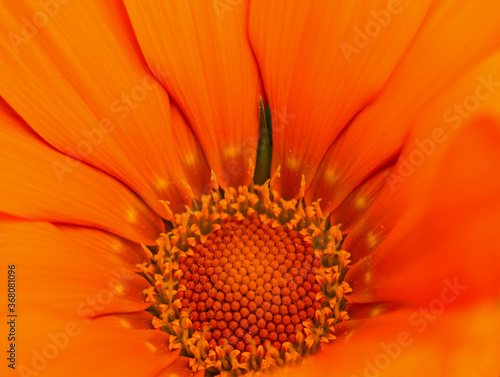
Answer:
[(246, 187)]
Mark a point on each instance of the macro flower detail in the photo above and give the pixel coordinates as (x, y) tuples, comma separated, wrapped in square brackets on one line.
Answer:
[(247, 281), (194, 188)]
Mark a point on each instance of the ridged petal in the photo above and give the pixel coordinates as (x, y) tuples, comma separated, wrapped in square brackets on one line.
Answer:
[(58, 272), (181, 368), (431, 136), (455, 343), (452, 41), (39, 183), (448, 236), (210, 72), (191, 156), (80, 81), (354, 207), (319, 72), (58, 345)]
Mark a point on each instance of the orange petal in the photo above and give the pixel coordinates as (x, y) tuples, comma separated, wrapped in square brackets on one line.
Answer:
[(433, 132), (135, 321), (210, 72), (319, 72), (106, 245), (181, 368), (445, 244), (39, 183), (454, 343), (79, 80), (353, 208), (58, 345), (450, 43), (191, 155), (58, 272)]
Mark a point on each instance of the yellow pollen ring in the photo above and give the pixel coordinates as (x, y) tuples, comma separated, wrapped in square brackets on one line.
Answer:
[(178, 277)]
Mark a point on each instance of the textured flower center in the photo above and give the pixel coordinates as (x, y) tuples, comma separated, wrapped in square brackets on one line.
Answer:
[(246, 281), (250, 284)]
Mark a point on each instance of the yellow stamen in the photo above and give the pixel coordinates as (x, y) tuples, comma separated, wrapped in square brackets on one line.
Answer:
[(275, 176), (213, 178), (189, 190), (170, 215), (302, 187), (251, 173)]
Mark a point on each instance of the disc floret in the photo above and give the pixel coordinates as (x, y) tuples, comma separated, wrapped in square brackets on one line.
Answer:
[(247, 281)]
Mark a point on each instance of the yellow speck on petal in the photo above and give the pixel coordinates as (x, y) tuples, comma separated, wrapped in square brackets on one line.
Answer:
[(119, 288), (162, 183), (372, 240), (368, 277), (360, 202), (330, 176), (132, 215), (292, 163), (116, 245), (375, 311), (125, 323), (189, 159), (151, 346), (231, 152), (349, 335)]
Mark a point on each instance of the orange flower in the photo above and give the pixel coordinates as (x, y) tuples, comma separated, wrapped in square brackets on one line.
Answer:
[(388, 109)]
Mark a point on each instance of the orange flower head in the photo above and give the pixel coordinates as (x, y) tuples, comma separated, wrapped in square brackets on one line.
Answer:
[(250, 187), (247, 281)]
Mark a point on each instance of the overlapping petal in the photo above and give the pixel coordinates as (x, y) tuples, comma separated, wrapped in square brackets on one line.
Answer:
[(452, 41), (192, 157), (61, 345), (460, 343), (322, 63), (446, 239), (58, 272), (74, 72), (181, 368), (39, 183), (350, 212), (433, 131), (210, 72)]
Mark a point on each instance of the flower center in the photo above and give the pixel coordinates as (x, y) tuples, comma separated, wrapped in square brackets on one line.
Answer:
[(250, 284), (246, 281)]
